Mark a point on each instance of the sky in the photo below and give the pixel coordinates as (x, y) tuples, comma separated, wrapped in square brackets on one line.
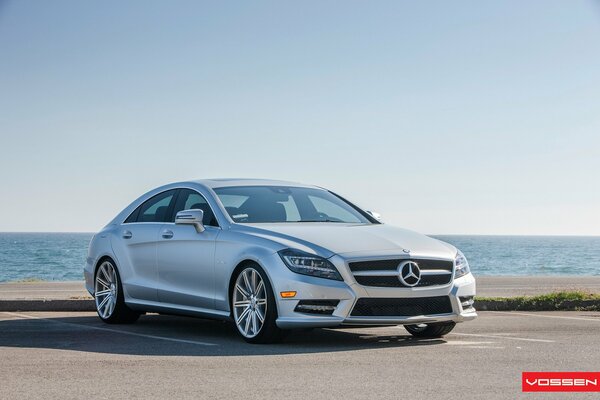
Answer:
[(445, 117)]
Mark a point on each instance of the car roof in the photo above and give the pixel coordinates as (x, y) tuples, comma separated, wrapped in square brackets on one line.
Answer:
[(229, 182)]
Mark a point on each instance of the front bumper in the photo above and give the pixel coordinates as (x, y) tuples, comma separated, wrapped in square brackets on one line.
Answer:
[(348, 292)]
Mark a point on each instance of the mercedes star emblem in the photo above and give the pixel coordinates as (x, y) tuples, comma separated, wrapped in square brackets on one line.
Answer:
[(409, 273)]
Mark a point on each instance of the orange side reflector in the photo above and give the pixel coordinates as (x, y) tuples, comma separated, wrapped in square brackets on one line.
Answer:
[(288, 295)]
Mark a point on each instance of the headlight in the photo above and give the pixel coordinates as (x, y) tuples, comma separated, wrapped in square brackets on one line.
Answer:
[(461, 265), (308, 264)]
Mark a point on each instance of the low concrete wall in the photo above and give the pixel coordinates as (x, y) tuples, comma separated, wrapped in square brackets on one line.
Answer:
[(47, 305)]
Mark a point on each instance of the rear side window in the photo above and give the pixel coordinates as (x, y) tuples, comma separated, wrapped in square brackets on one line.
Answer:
[(155, 209)]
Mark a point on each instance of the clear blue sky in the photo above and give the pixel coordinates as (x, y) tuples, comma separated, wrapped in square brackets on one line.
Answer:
[(446, 117)]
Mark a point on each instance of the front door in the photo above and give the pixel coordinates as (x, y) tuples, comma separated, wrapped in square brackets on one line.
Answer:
[(185, 258)]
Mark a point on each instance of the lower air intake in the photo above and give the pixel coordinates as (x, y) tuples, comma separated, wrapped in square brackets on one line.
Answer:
[(404, 307)]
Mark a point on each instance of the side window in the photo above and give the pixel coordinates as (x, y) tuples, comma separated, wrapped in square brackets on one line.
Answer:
[(133, 216), (156, 209), (190, 199), (331, 210)]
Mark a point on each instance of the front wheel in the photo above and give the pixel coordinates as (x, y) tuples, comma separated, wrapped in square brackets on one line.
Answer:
[(108, 293), (253, 306), (435, 330)]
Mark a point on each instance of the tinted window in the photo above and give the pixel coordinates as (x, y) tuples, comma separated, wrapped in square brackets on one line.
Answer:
[(190, 199), (156, 209), (291, 210), (332, 210), (251, 204), (133, 216)]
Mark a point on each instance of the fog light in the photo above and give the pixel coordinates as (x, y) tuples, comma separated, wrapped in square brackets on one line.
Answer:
[(288, 295), (466, 302), (317, 306)]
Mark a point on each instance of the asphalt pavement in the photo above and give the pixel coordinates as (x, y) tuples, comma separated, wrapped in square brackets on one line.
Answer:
[(74, 355)]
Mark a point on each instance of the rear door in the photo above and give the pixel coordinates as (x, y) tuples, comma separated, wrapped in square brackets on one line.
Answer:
[(186, 258), (135, 246)]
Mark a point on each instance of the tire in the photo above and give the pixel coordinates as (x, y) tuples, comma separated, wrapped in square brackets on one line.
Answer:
[(108, 295), (252, 299), (435, 330)]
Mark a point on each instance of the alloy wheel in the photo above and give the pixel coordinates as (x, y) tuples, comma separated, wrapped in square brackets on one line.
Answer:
[(249, 301), (106, 289)]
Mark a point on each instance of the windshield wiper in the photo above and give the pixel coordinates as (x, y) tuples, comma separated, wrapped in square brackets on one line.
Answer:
[(316, 220)]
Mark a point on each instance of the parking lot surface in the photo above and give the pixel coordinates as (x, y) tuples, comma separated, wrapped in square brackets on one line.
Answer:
[(74, 355)]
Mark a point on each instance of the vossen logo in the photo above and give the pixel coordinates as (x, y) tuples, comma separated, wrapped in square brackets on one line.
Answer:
[(560, 381)]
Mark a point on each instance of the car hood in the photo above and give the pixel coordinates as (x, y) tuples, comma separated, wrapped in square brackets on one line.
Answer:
[(351, 240)]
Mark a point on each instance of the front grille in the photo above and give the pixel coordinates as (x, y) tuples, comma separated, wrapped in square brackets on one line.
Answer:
[(390, 265), (385, 266), (405, 307), (393, 281)]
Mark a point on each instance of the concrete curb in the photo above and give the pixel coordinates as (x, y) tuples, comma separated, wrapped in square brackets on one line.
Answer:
[(47, 305)]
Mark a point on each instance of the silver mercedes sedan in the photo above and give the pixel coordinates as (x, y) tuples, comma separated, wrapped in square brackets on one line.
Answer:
[(271, 256)]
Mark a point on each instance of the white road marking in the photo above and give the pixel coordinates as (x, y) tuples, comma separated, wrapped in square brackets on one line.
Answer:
[(499, 336), (41, 290), (466, 343), (503, 337), (111, 330), (546, 316), (474, 345), (542, 288)]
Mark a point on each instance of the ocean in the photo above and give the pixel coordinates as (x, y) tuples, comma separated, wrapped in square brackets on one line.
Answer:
[(61, 256)]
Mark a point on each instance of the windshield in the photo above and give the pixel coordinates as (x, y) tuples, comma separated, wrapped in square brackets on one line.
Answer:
[(252, 204)]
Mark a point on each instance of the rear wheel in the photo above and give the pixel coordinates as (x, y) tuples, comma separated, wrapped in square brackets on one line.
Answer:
[(253, 306), (108, 293), (435, 330)]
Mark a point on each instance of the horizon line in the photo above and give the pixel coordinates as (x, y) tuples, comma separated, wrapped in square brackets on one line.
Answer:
[(427, 234)]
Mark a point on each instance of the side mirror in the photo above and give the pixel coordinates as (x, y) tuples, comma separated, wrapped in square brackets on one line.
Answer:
[(375, 215), (191, 217)]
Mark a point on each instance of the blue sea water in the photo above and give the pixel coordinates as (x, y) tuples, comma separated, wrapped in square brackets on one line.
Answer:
[(61, 256), (529, 255), (47, 256)]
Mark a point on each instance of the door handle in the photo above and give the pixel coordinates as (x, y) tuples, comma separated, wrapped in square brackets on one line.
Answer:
[(127, 234), (167, 234)]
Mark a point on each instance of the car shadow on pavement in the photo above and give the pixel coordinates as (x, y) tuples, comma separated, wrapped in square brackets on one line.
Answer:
[(161, 335)]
